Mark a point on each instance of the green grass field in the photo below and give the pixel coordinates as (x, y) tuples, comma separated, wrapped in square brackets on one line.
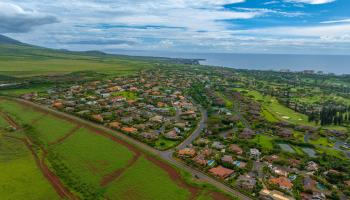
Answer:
[(51, 128), (22, 61), (20, 178), (85, 156), (22, 114), (264, 141), (126, 94), (91, 156), (146, 181)]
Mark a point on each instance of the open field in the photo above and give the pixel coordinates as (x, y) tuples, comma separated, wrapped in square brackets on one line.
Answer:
[(90, 163), (20, 177), (264, 141), (16, 60)]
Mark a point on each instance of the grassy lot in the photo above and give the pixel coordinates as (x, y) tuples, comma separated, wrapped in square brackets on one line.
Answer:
[(91, 156), (145, 180), (126, 94), (20, 177), (51, 128), (164, 143), (264, 141), (331, 152), (322, 141), (85, 156)]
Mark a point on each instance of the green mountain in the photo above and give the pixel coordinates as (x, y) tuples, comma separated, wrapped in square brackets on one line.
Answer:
[(19, 59), (9, 41)]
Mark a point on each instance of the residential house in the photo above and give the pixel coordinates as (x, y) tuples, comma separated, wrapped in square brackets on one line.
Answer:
[(227, 159), (129, 129), (187, 152), (312, 166), (172, 135), (221, 172), (246, 182), (266, 194), (97, 118), (114, 125), (255, 153), (200, 160), (217, 145), (150, 136), (240, 164), (235, 149), (247, 133), (283, 182)]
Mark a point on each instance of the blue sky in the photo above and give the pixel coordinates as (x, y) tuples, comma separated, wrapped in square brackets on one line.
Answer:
[(231, 26)]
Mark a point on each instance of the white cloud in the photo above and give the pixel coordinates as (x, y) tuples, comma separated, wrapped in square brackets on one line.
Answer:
[(13, 18), (336, 21), (178, 25), (311, 1)]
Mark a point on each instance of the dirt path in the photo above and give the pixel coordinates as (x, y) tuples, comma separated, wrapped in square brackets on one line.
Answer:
[(117, 173), (61, 190), (10, 120), (63, 138), (54, 180)]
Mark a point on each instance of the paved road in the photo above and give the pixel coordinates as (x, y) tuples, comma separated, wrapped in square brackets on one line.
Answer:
[(164, 155), (201, 125)]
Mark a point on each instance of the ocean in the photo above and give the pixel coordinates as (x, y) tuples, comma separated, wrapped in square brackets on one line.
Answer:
[(337, 64)]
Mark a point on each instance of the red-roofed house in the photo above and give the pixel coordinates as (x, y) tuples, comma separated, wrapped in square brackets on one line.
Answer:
[(221, 172)]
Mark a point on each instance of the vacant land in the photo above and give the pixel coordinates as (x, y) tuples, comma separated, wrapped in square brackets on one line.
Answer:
[(89, 164), (20, 176)]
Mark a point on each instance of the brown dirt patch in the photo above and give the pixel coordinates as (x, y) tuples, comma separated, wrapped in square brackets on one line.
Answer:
[(61, 190), (9, 120)]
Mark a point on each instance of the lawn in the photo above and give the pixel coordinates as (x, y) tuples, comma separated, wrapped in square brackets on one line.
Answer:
[(91, 156), (264, 141), (51, 128), (20, 178), (146, 181), (163, 143), (322, 141), (126, 94)]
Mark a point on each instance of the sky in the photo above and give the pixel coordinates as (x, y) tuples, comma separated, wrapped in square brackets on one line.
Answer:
[(197, 26)]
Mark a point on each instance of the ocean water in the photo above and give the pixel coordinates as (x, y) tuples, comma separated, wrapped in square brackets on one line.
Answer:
[(338, 64)]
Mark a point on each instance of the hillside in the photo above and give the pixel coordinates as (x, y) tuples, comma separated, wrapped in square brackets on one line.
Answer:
[(20, 59)]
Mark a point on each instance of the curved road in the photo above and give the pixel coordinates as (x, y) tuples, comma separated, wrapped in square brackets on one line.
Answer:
[(165, 155)]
